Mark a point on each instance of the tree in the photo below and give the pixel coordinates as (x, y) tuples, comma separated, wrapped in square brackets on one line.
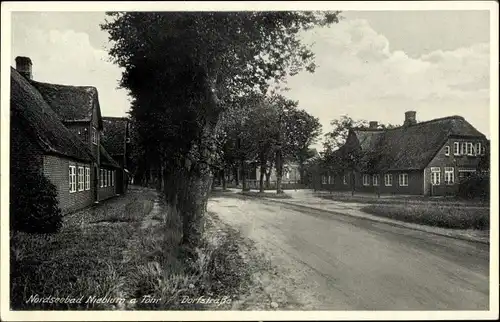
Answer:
[(340, 130), (184, 69)]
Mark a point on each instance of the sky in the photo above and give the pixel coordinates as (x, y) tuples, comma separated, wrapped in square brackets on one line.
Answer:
[(372, 65)]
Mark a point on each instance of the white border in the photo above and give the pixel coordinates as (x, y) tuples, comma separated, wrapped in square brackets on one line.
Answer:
[(8, 315)]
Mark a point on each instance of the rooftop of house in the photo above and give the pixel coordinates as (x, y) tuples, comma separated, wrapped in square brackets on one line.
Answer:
[(114, 134), (408, 147), (71, 103), (39, 120)]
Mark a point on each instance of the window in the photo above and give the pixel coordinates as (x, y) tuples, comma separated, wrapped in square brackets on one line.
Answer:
[(478, 149), (87, 178), (344, 179), (323, 179), (463, 148), (483, 150), (94, 135), (101, 178), (403, 179), (469, 148), (388, 179), (105, 178), (72, 178), (85, 135), (436, 176), (447, 150), (113, 177), (449, 175), (109, 178), (331, 179), (366, 180), (375, 179), (81, 179), (456, 148)]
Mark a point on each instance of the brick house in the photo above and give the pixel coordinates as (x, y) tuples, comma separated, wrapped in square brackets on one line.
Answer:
[(115, 139), (426, 158), (55, 129)]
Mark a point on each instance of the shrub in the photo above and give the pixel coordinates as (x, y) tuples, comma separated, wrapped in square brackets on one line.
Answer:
[(475, 186), (34, 207)]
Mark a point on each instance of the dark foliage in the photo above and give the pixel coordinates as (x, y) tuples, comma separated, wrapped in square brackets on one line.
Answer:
[(475, 186), (34, 207)]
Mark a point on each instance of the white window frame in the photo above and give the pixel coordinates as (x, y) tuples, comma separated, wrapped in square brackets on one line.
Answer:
[(456, 148), (388, 179), (483, 149), (435, 176), (479, 148), (449, 175), (113, 178), (366, 180), (331, 179), (447, 150), (87, 178), (81, 178), (105, 178), (469, 149), (101, 178), (344, 179), (463, 148), (323, 179), (376, 179), (72, 178), (94, 135), (403, 180)]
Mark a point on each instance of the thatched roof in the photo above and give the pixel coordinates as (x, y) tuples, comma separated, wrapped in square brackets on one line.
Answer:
[(410, 147), (40, 121), (114, 135), (106, 159), (71, 103)]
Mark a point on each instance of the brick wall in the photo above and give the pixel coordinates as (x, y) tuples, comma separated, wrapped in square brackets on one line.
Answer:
[(442, 160), (109, 191), (56, 169)]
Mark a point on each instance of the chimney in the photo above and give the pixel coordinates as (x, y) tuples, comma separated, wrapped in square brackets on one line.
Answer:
[(373, 125), (410, 118), (23, 66)]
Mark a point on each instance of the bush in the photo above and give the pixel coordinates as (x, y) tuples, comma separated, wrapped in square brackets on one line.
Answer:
[(34, 207), (475, 186)]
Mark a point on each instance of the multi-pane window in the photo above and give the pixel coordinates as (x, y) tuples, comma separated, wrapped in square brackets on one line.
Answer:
[(403, 179), (388, 179), (483, 150), (94, 135), (456, 148), (376, 179), (72, 178), (81, 179), (101, 178), (366, 180), (447, 150), (478, 148), (463, 148), (105, 178), (436, 176), (469, 148), (449, 175), (87, 178), (323, 179), (331, 179), (113, 178), (109, 178), (344, 179)]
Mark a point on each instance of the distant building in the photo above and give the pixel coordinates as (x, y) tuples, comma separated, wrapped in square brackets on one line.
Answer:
[(56, 130), (427, 158)]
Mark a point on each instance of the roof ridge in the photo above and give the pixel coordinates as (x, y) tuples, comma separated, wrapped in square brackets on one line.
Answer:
[(414, 125), (65, 85)]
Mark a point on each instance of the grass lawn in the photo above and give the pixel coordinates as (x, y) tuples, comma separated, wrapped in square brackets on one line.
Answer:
[(83, 260), (457, 217), (272, 195), (125, 248)]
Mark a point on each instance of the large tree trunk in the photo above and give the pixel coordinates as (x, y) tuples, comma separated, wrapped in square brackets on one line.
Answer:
[(223, 175), (279, 171), (236, 176), (243, 176), (262, 173)]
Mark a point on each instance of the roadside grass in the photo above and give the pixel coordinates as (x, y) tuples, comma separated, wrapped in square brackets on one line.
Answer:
[(457, 217), (178, 278), (272, 195), (403, 200), (83, 260)]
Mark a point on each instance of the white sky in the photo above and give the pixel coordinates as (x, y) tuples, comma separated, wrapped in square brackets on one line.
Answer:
[(372, 65)]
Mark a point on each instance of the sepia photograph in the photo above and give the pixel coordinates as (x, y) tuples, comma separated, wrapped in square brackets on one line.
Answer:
[(249, 161)]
